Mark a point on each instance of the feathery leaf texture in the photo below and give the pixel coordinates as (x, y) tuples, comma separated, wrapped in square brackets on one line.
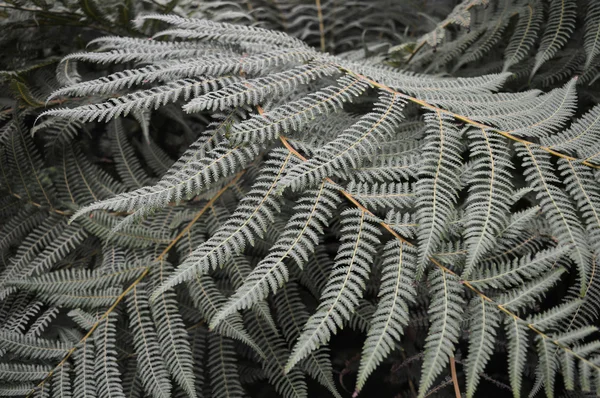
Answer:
[(345, 285)]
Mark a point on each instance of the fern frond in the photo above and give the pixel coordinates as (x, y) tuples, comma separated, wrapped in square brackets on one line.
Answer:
[(537, 117), (61, 381), (193, 173), (141, 100), (297, 114), (272, 37), (445, 312), (437, 188), (287, 383), (84, 384), (391, 316), (208, 299), (525, 34), (255, 91), (484, 320), (387, 196), (490, 192), (69, 280), (592, 33), (345, 285), (515, 272), (23, 372), (155, 377), (300, 236), (527, 294), (172, 339), (291, 316), (580, 139), (222, 366), (31, 347), (106, 369), (249, 220), (560, 26), (127, 163), (557, 207), (352, 145)]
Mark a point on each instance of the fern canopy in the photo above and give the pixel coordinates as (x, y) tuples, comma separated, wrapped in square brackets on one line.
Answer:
[(249, 198)]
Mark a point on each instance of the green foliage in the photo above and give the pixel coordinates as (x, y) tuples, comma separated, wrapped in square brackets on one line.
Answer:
[(251, 198)]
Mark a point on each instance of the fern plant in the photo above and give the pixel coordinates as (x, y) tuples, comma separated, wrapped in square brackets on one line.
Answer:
[(193, 207)]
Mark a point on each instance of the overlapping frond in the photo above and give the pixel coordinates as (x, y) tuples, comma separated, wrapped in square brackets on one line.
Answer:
[(345, 285), (391, 316), (445, 311)]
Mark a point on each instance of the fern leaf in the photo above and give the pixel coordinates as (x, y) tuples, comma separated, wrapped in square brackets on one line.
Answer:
[(344, 287), (584, 190), (288, 384), (255, 91), (141, 100), (172, 339), (515, 272), (208, 299), (556, 207), (592, 33), (248, 221), (31, 347), (351, 146), (300, 236), (484, 321), (581, 138), (437, 188), (527, 294), (61, 382), (291, 316), (106, 369), (192, 174), (387, 196), (445, 312), (490, 191), (224, 375), (155, 376), (127, 164), (84, 385), (525, 34), (559, 27), (391, 315), (297, 114), (23, 372), (68, 280)]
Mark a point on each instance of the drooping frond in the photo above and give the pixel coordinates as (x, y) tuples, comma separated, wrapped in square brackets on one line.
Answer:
[(291, 316), (300, 236), (484, 320), (557, 207), (592, 33), (345, 285), (445, 311), (172, 338), (106, 369), (391, 316), (155, 377), (437, 188), (525, 34), (248, 221), (490, 194), (560, 25)]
